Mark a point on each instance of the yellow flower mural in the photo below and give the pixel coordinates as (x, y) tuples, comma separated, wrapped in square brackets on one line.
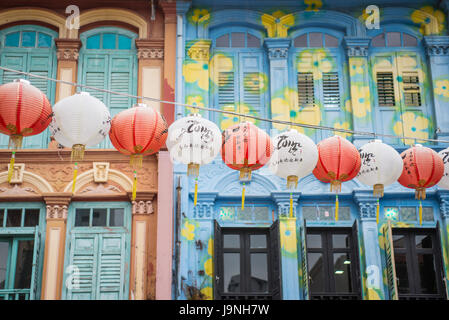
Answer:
[(360, 101), (198, 14), (288, 236), (344, 125), (257, 80), (194, 101), (425, 21), (220, 63), (188, 230), (207, 293), (356, 66), (278, 23), (196, 72), (227, 120), (281, 107), (313, 5), (209, 267), (412, 125), (317, 61), (442, 88)]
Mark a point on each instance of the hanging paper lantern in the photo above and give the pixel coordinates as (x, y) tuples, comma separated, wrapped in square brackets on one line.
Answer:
[(24, 111), (338, 161), (194, 141), (444, 182), (245, 148), (80, 120), (381, 166), (137, 132), (423, 168)]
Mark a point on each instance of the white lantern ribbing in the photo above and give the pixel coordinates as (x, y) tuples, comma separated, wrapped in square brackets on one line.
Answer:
[(444, 182), (80, 120), (193, 141), (381, 166), (295, 156)]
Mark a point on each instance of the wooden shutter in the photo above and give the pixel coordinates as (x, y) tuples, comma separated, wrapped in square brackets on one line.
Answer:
[(95, 73), (223, 71), (407, 65), (444, 262), (385, 89), (35, 269), (250, 84), (304, 266), (306, 90), (275, 260), (331, 89), (389, 261), (356, 258), (218, 272)]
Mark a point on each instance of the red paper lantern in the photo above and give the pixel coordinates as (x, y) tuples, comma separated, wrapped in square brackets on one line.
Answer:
[(246, 148), (24, 111), (423, 168), (138, 131), (338, 161)]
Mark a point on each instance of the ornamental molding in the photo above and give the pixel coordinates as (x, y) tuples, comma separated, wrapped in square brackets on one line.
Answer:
[(356, 47), (436, 45), (367, 210), (68, 50), (204, 208), (101, 170), (142, 207), (277, 53), (199, 49), (57, 211), (17, 191), (17, 174), (150, 49), (282, 200), (277, 48)]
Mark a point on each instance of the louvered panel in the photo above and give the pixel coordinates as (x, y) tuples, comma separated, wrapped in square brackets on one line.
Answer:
[(385, 89), (331, 89), (412, 95), (306, 91), (85, 265), (39, 83), (120, 82), (10, 76), (111, 268), (226, 92), (96, 80), (251, 89)]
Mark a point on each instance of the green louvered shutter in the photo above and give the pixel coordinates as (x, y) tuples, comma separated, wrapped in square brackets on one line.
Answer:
[(35, 269), (389, 261), (111, 267), (304, 267), (443, 246)]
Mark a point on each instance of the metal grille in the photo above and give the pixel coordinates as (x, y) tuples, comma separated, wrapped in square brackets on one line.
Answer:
[(412, 95), (306, 91), (385, 89), (331, 89)]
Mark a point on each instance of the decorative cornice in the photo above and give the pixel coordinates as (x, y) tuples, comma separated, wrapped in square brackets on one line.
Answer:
[(198, 49), (444, 203), (150, 49), (142, 196), (356, 47), (436, 45), (169, 9), (204, 208), (282, 200), (68, 49), (142, 207), (57, 205), (277, 48)]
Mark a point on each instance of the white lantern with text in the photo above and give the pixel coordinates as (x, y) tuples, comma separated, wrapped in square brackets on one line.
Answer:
[(444, 182)]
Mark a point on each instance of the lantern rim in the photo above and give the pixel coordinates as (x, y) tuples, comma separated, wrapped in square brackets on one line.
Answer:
[(24, 81)]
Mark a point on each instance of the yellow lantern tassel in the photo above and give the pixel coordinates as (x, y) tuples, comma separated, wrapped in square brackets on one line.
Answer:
[(377, 212), (195, 198), (336, 207), (11, 166), (134, 186), (243, 197), (420, 213), (75, 173), (291, 205)]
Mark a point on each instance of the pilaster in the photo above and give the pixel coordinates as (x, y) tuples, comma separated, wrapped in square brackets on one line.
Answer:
[(67, 55), (282, 200)]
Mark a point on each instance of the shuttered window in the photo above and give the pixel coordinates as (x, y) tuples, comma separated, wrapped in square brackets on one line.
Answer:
[(226, 85), (385, 89), (412, 94), (331, 89), (306, 91), (251, 89)]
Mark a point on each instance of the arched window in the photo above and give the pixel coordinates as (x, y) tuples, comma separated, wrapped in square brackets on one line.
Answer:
[(402, 107), (239, 76), (108, 60), (29, 48)]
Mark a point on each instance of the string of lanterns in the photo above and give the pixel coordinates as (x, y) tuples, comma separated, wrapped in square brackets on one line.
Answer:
[(82, 120)]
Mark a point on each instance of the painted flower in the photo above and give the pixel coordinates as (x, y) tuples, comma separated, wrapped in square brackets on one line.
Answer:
[(227, 120), (317, 61), (344, 125), (194, 101), (288, 237), (357, 66), (256, 81), (348, 105), (282, 105), (425, 21), (209, 267), (442, 88), (196, 72), (310, 116), (198, 14), (360, 101), (210, 247), (278, 23), (412, 125), (220, 64), (188, 230), (207, 293), (313, 5)]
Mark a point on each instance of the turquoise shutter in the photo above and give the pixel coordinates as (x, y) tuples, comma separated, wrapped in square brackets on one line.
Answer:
[(35, 270), (82, 250), (304, 267), (389, 261), (111, 267), (16, 61)]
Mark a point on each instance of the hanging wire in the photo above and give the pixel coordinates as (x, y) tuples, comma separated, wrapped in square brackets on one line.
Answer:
[(288, 123)]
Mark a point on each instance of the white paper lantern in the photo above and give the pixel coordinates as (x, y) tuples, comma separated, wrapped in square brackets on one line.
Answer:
[(80, 120), (381, 166), (194, 141), (295, 156), (444, 182)]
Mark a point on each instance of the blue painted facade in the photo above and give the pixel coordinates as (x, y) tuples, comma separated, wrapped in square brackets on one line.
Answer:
[(277, 44)]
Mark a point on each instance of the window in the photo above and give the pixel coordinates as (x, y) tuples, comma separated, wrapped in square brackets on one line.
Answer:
[(332, 264), (316, 40), (323, 212), (408, 213), (247, 263), (394, 39), (418, 265), (234, 213), (28, 39), (99, 217)]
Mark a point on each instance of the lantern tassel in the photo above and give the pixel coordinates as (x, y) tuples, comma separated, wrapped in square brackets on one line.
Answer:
[(420, 193), (193, 169), (134, 186), (75, 174), (291, 205), (335, 185), (378, 190), (292, 182), (136, 161), (77, 152), (11, 166), (377, 212), (420, 213), (336, 207), (243, 197), (195, 198), (15, 141)]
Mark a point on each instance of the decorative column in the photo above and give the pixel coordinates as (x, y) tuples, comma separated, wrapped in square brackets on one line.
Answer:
[(360, 104), (280, 103), (141, 238), (289, 244), (371, 267), (168, 89), (53, 273), (151, 62), (67, 54), (437, 48)]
